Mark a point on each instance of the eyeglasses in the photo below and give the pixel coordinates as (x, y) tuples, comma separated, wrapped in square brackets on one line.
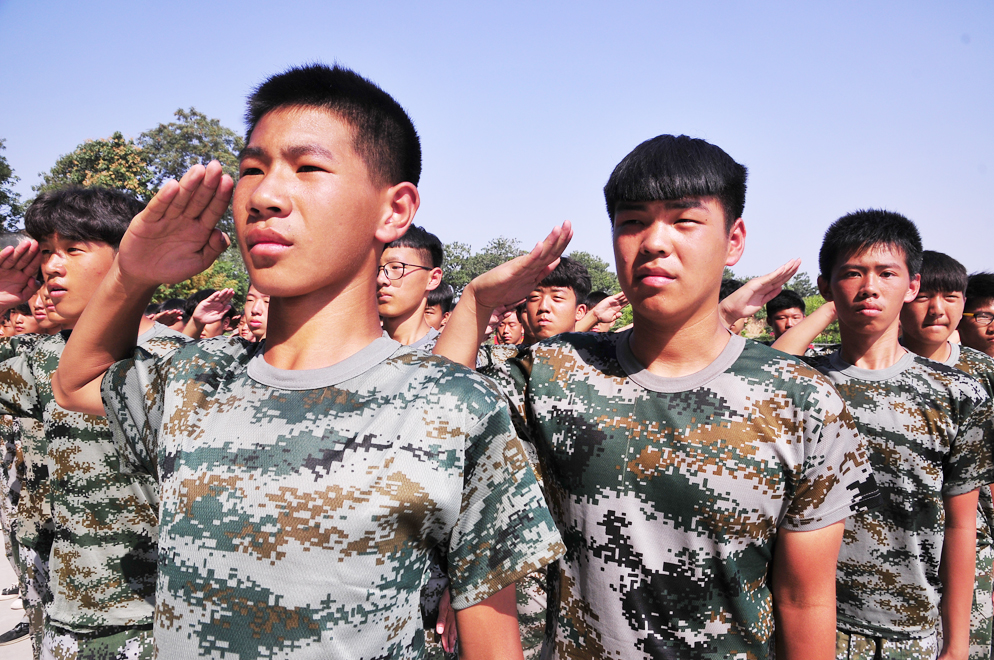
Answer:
[(982, 318), (395, 270)]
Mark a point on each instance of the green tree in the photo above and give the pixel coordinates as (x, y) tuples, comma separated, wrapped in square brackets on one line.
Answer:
[(218, 276), (461, 265), (11, 211), (601, 279), (802, 285), (171, 149), (115, 162)]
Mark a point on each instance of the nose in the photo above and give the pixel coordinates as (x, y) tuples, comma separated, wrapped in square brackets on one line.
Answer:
[(656, 239), (381, 278), (53, 265), (270, 196)]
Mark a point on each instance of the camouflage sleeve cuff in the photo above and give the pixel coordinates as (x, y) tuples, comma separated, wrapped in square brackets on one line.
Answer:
[(866, 502)]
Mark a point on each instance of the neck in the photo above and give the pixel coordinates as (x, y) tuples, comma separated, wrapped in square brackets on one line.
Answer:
[(672, 352), (408, 328), (878, 350), (938, 351), (322, 328)]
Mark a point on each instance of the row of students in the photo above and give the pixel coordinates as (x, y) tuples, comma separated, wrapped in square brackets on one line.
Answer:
[(698, 485)]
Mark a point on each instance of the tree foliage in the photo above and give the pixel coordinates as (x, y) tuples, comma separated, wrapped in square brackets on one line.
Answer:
[(218, 276), (171, 149), (115, 162), (601, 279), (462, 265), (11, 211), (802, 285)]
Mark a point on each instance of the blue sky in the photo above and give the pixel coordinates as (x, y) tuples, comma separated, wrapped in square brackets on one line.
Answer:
[(525, 108)]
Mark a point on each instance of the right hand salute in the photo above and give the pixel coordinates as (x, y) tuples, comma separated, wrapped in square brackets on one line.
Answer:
[(175, 237), (18, 266)]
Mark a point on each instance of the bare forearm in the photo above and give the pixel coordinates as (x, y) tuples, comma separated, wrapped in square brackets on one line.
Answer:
[(805, 631), (957, 573), (587, 322), (465, 330), (489, 630), (104, 334), (193, 328)]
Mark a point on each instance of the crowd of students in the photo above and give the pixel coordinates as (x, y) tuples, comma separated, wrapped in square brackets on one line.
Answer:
[(355, 467)]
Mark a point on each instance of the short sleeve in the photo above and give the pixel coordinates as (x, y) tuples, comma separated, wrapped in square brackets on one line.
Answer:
[(970, 463), (133, 392), (504, 530), (18, 387), (835, 479)]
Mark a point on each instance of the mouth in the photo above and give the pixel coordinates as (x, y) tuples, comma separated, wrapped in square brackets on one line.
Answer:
[(266, 242), (654, 277), (56, 292)]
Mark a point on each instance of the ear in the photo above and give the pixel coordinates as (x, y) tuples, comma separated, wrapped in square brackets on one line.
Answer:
[(824, 288), (913, 287), (581, 311), (401, 202), (434, 279), (736, 242)]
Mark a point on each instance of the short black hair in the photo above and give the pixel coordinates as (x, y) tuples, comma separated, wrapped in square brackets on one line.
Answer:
[(174, 303), (442, 296), (942, 274), (861, 230), (728, 287), (195, 299), (426, 243), (82, 214), (786, 299), (23, 309), (979, 289), (669, 167), (383, 134), (570, 273), (595, 297)]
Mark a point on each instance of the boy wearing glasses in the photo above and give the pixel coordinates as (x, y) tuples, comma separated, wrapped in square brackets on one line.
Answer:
[(410, 267), (976, 329)]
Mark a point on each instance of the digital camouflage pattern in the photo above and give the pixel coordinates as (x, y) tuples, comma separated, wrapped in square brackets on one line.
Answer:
[(108, 644), (928, 432), (299, 508), (669, 493), (853, 646), (981, 367), (102, 563)]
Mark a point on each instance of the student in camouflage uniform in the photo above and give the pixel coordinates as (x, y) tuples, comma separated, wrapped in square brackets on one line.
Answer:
[(700, 481), (410, 267), (101, 570), (306, 479), (909, 564), (927, 323)]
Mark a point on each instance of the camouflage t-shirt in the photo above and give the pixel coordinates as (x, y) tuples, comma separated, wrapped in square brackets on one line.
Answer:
[(103, 555), (928, 433), (981, 367), (299, 508), (670, 492)]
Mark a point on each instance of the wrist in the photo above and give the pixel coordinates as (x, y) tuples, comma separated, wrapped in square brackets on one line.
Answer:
[(130, 285)]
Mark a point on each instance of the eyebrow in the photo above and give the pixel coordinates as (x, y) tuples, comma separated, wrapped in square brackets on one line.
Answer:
[(293, 152), (668, 204)]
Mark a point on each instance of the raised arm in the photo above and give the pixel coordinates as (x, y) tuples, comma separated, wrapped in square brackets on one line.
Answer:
[(173, 239), (505, 284), (797, 339), (18, 266), (606, 311), (755, 293), (210, 310)]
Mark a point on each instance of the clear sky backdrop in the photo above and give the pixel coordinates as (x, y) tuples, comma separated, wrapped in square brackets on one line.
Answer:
[(524, 108)]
